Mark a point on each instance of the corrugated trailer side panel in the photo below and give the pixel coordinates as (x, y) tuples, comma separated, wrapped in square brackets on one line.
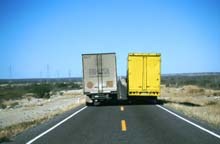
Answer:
[(135, 73), (99, 73), (90, 80), (109, 73), (144, 74)]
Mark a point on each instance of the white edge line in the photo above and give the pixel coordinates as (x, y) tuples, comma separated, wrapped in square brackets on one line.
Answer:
[(202, 128), (50, 129)]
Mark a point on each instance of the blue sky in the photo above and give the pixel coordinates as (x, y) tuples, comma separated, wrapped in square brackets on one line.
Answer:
[(36, 34)]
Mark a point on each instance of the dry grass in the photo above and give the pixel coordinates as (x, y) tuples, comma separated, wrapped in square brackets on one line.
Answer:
[(196, 102), (8, 104), (7, 132), (10, 131)]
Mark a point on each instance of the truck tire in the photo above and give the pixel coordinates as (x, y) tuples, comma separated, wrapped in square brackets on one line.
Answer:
[(154, 100), (88, 104), (97, 103)]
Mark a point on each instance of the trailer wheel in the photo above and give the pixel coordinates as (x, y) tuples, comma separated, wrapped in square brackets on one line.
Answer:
[(114, 99), (154, 100), (96, 103), (88, 104)]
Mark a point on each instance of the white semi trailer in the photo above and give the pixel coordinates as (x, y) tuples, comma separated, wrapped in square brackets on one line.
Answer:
[(99, 77)]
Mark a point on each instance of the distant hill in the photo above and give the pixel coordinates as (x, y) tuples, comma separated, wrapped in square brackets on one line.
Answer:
[(75, 79), (193, 74)]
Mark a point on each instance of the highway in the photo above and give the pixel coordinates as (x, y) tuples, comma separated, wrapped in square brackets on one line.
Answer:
[(143, 124), (121, 123)]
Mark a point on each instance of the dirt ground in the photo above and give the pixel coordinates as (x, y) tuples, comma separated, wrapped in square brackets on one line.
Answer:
[(30, 109), (202, 104)]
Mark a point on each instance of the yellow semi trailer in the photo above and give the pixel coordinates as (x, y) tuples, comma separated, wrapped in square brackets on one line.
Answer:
[(143, 76)]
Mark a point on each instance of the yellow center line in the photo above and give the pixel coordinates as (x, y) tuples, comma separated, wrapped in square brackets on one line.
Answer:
[(123, 125), (122, 108)]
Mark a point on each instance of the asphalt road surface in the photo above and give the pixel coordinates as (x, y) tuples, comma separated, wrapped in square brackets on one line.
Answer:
[(131, 124), (118, 124)]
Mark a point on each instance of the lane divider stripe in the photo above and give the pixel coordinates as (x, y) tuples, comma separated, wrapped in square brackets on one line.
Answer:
[(198, 126), (122, 108), (123, 125), (47, 131)]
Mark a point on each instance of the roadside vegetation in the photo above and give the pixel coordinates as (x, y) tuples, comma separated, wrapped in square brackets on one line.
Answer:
[(9, 131), (196, 96), (209, 81), (13, 91)]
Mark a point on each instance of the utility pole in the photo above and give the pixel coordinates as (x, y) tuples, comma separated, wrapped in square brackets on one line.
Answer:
[(10, 72), (69, 73), (58, 74), (40, 74), (40, 77), (48, 71)]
